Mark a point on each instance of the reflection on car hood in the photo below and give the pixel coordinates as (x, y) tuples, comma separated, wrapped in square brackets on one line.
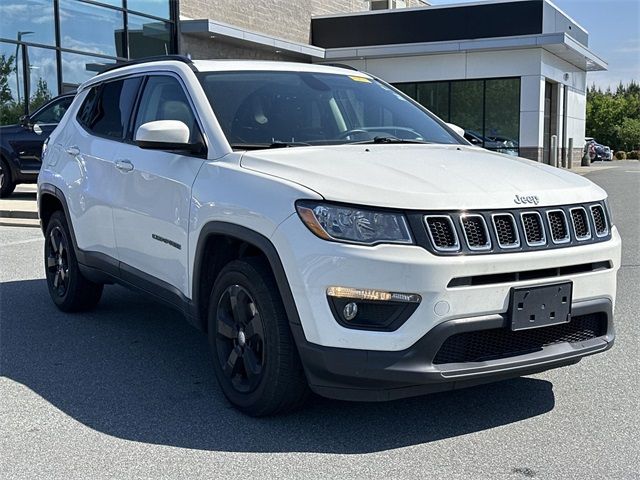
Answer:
[(421, 176)]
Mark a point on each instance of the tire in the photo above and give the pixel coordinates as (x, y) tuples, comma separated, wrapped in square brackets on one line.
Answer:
[(254, 355), (7, 185), (69, 289)]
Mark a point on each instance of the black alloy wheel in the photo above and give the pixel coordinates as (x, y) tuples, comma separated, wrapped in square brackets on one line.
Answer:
[(57, 254), (255, 358), (240, 342), (69, 289)]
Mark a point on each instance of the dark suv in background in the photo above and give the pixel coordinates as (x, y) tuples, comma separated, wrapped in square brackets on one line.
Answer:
[(21, 145)]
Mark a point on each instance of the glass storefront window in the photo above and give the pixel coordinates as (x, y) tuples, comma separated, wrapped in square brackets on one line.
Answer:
[(435, 97), (502, 119), (91, 28), (157, 8), (41, 75), (28, 21), (148, 37), (79, 68), (488, 110), (43, 81), (466, 104)]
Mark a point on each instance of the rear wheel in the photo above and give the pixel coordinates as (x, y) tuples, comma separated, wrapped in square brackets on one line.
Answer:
[(69, 289), (255, 358), (7, 185)]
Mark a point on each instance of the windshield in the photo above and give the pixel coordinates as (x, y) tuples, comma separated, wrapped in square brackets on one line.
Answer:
[(262, 109)]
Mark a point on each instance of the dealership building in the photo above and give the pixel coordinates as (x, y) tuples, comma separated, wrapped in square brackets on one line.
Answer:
[(512, 73)]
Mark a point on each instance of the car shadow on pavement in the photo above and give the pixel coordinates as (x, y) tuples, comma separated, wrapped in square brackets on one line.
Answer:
[(136, 370)]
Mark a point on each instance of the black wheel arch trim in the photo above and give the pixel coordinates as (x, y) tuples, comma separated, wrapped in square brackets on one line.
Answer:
[(256, 239)]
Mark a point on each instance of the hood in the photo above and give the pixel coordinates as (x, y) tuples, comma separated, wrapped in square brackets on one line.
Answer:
[(428, 177)]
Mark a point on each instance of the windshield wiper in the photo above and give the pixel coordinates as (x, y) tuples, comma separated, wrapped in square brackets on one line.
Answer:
[(389, 139), (263, 146), (279, 144)]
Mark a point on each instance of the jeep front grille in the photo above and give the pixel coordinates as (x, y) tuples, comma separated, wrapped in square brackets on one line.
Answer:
[(506, 230), (442, 232), (559, 226), (580, 223), (533, 228), (599, 220), (511, 230), (475, 231)]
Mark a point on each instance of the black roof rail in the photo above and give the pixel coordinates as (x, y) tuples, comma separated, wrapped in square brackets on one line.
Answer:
[(155, 58)]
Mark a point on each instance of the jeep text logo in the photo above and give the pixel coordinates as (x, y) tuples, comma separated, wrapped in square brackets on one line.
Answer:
[(521, 199)]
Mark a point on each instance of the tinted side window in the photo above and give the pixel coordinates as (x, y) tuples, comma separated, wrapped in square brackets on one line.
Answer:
[(54, 112), (164, 99), (107, 109)]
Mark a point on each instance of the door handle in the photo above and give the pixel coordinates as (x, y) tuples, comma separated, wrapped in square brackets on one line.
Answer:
[(73, 151), (124, 165)]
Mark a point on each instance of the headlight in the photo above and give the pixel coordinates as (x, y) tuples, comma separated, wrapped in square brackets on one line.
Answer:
[(354, 224)]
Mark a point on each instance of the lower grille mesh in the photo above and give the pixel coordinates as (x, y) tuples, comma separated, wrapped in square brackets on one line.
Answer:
[(483, 345)]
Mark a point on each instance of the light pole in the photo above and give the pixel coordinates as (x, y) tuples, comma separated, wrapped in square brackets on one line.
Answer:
[(19, 38)]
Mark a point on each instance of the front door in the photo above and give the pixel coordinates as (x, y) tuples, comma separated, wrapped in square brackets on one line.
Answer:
[(153, 193)]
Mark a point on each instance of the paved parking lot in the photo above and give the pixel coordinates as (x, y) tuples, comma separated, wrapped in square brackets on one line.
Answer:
[(127, 392)]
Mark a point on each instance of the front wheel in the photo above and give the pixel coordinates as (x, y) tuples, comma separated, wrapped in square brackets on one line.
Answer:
[(68, 288), (254, 354)]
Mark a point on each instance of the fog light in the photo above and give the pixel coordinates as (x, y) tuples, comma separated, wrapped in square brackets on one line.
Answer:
[(372, 295), (350, 311), (368, 309)]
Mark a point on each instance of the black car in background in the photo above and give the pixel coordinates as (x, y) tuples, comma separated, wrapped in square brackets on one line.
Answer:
[(21, 145)]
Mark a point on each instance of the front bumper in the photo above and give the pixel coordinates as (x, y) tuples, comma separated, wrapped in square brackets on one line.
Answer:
[(364, 375), (312, 265)]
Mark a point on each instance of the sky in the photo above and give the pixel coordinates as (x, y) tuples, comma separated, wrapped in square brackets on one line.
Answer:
[(614, 35)]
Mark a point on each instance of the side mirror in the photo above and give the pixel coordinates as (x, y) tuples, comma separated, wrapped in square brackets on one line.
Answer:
[(166, 135), (456, 128), (25, 121)]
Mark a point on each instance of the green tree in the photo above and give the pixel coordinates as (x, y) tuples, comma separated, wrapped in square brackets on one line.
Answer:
[(41, 96), (613, 117), (10, 110), (629, 132)]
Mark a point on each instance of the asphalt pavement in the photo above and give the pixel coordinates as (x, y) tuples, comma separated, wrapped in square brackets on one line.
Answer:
[(127, 391)]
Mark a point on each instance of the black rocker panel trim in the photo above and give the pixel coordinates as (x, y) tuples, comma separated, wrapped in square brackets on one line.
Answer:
[(100, 267)]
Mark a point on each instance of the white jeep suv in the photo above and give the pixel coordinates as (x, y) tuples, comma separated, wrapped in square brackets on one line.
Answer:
[(325, 231)]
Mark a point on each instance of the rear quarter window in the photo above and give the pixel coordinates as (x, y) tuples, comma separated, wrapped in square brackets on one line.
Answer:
[(106, 111)]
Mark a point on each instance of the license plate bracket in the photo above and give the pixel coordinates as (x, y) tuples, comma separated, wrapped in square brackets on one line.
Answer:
[(540, 306)]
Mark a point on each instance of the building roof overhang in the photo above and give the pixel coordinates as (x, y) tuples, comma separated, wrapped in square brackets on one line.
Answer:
[(212, 29), (559, 44)]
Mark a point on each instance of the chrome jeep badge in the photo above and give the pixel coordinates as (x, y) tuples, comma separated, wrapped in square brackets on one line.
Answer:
[(528, 199)]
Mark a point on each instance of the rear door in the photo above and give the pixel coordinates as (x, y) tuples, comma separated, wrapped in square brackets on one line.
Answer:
[(152, 193), (101, 126)]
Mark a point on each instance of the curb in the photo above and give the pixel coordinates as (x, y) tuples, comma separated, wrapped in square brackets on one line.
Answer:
[(19, 214)]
